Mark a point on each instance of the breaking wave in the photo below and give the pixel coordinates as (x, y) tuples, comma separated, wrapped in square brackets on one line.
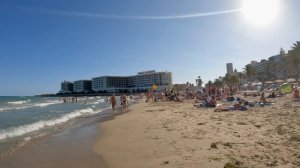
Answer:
[(21, 130)]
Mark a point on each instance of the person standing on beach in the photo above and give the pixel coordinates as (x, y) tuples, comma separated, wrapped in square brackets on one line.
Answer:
[(123, 99), (113, 102), (147, 96), (296, 93), (65, 101)]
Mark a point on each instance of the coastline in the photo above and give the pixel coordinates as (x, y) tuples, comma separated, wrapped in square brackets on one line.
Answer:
[(68, 147), (172, 135), (169, 134)]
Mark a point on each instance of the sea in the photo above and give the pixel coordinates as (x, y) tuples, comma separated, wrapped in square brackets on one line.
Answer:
[(23, 118)]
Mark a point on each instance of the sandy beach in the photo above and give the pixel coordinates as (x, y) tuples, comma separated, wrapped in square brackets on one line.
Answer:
[(170, 134)]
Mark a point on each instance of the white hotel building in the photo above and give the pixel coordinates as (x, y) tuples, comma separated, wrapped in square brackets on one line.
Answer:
[(139, 82), (82, 86), (66, 87)]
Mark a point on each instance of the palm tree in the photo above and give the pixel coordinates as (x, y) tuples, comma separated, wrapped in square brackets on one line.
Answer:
[(199, 81), (231, 80), (209, 83), (218, 82), (294, 58), (250, 71)]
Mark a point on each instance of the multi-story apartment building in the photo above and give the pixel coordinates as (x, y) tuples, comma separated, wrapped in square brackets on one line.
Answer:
[(276, 66), (82, 86), (141, 81), (261, 70), (229, 68), (66, 87)]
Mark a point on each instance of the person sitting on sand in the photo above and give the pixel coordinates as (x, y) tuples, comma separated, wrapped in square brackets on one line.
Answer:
[(178, 99), (237, 106), (263, 99), (208, 102), (296, 93), (246, 102), (213, 102), (272, 95)]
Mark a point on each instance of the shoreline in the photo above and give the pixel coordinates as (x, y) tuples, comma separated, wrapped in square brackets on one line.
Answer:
[(11, 144), (171, 135), (68, 145), (86, 94)]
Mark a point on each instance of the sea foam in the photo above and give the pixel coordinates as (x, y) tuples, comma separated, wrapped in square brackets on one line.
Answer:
[(19, 102), (28, 106), (21, 130)]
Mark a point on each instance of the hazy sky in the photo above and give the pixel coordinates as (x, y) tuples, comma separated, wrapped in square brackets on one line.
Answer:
[(43, 42)]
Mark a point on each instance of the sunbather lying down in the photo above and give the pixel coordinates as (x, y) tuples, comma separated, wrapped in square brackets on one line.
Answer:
[(208, 102), (178, 99), (236, 106)]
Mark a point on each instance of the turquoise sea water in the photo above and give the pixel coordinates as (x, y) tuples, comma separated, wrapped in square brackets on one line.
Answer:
[(23, 117)]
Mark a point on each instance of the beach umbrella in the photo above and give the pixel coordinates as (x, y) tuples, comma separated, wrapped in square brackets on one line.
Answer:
[(286, 88), (256, 83), (268, 82), (154, 87), (291, 80), (279, 81), (245, 85)]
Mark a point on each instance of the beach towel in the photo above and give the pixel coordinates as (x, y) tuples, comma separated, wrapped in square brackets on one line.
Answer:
[(243, 108), (219, 105)]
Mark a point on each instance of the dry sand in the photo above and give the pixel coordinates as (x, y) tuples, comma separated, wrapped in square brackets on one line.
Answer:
[(178, 135)]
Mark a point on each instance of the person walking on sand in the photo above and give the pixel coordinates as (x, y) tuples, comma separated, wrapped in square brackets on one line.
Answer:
[(296, 94), (113, 102), (123, 99)]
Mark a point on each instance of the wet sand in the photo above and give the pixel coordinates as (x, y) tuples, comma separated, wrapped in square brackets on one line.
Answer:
[(71, 147), (179, 135)]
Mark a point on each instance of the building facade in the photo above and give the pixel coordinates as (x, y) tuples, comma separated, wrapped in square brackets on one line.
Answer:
[(140, 82), (261, 70), (82, 86), (229, 68), (276, 66), (66, 87)]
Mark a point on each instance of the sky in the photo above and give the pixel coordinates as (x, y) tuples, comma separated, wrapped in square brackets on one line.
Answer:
[(45, 42)]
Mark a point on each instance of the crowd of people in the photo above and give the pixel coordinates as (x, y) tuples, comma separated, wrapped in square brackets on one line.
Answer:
[(209, 97), (206, 98), (123, 102), (65, 100)]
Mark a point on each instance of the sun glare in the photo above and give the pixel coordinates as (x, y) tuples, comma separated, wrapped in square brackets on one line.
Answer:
[(261, 12)]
